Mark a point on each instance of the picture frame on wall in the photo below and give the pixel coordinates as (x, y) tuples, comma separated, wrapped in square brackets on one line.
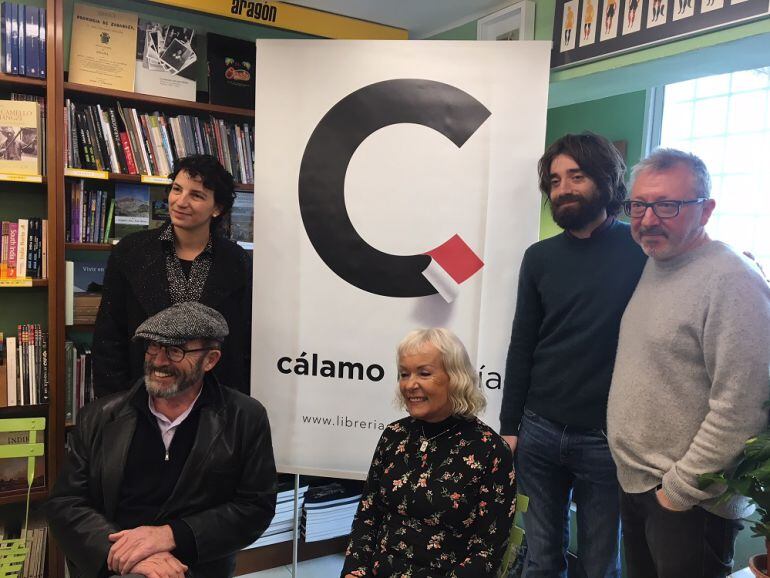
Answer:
[(514, 22)]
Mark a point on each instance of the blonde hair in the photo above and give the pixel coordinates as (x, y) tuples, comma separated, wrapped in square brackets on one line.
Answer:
[(466, 398)]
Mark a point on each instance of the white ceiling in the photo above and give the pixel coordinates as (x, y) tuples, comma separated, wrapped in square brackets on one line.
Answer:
[(422, 18)]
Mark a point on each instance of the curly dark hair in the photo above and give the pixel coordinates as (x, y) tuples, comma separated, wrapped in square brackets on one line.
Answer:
[(597, 157), (213, 176)]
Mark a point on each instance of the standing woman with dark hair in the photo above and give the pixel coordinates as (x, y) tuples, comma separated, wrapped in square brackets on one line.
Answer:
[(186, 259)]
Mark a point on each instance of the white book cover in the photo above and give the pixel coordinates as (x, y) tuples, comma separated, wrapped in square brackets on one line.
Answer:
[(69, 292), (165, 60), (21, 249), (10, 347)]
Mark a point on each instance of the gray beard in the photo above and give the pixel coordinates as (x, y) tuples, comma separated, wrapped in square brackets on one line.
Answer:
[(183, 381)]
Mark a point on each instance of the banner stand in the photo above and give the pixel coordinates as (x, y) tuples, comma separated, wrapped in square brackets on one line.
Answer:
[(295, 540)]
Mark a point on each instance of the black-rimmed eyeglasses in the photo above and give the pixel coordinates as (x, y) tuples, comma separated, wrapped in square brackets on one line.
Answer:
[(662, 209), (173, 352)]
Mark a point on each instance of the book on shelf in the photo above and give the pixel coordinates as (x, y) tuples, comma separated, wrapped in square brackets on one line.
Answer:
[(126, 140), (230, 70), (103, 47), (89, 213), (282, 525), (40, 100), (19, 131), (23, 253), (26, 366), (23, 46), (242, 220), (78, 379), (132, 208), (84, 290), (165, 60)]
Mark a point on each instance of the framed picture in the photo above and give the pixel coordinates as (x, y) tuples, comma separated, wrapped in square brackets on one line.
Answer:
[(514, 22)]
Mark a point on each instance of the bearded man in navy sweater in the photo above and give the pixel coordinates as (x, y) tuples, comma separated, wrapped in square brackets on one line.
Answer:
[(572, 291)]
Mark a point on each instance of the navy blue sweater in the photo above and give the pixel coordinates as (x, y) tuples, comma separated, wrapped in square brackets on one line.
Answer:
[(572, 293)]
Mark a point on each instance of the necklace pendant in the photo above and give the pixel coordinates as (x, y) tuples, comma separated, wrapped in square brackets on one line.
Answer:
[(424, 445)]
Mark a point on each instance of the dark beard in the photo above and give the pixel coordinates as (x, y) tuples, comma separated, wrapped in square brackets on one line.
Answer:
[(185, 379), (577, 215)]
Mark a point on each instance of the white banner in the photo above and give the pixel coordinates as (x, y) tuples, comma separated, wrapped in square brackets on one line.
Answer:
[(396, 187)]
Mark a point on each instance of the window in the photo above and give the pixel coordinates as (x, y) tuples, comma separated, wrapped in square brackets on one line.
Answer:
[(725, 120)]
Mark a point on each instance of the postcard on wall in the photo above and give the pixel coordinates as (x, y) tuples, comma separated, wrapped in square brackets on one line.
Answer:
[(657, 13), (632, 21), (588, 23), (103, 47), (568, 25), (166, 60), (682, 9), (609, 20)]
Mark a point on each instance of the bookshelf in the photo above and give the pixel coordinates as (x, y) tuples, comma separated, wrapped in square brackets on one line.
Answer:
[(43, 301)]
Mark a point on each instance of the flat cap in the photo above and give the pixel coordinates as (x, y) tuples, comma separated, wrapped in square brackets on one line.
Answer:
[(182, 322)]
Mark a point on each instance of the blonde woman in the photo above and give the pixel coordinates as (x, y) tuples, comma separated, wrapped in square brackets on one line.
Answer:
[(440, 495)]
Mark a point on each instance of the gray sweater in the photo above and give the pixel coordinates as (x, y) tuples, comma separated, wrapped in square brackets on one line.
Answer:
[(691, 375)]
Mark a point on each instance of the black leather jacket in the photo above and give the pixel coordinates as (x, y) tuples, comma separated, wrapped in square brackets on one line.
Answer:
[(225, 493)]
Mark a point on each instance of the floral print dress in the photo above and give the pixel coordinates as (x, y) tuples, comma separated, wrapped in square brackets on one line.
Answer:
[(438, 509)]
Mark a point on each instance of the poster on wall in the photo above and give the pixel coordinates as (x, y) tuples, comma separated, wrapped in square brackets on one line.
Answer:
[(400, 192), (627, 25)]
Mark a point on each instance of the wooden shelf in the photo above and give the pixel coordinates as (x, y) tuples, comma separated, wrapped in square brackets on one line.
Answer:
[(33, 283), (80, 327), (122, 178), (36, 495), (22, 81), (159, 101), (88, 246), (30, 179)]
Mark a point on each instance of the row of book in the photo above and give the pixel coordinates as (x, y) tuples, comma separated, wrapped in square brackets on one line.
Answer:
[(328, 508), (128, 141), (25, 361), (36, 538), (89, 214), (78, 380), (22, 40), (23, 249)]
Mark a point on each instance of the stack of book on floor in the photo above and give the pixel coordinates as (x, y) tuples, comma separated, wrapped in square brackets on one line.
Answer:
[(280, 528), (329, 509)]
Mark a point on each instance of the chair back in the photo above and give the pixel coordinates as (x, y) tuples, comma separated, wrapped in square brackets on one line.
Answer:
[(14, 552)]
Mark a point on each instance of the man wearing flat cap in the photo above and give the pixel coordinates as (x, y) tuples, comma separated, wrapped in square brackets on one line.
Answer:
[(174, 476)]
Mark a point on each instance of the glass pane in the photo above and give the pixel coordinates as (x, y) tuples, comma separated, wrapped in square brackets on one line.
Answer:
[(736, 195), (711, 151), (750, 79), (680, 91), (677, 121), (710, 116), (747, 111), (743, 153), (712, 85)]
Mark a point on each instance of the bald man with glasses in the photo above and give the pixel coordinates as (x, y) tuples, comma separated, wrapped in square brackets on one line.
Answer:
[(175, 476), (690, 377)]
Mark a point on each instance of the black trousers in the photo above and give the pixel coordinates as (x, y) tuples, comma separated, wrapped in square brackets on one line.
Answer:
[(660, 543)]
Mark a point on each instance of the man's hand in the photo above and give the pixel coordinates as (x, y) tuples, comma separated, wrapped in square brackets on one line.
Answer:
[(511, 441), (132, 546), (160, 565), (665, 503)]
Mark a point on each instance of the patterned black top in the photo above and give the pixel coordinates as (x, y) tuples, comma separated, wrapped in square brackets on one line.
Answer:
[(181, 286), (445, 511)]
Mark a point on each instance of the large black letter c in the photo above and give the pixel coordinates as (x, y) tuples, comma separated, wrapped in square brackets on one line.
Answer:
[(442, 107)]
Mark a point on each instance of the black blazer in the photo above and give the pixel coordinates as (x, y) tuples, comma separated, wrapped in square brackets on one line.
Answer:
[(136, 288), (225, 493)]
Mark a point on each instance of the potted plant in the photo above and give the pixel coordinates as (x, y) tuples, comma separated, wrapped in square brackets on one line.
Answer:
[(751, 478)]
